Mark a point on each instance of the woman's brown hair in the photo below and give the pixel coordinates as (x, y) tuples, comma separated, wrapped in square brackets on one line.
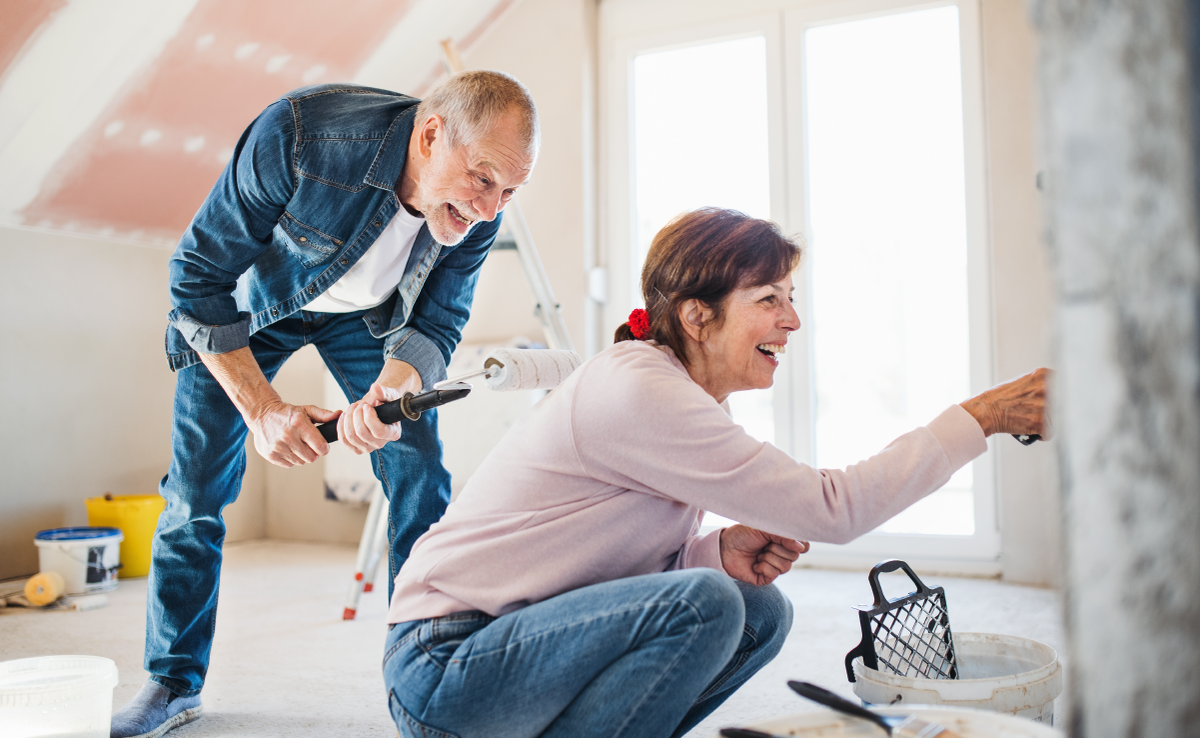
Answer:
[(705, 255)]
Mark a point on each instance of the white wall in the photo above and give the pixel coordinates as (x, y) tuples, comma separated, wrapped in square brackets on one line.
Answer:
[(1029, 496), (84, 382), (545, 44), (87, 396)]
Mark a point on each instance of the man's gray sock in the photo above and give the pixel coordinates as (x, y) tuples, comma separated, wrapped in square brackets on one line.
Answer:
[(154, 711)]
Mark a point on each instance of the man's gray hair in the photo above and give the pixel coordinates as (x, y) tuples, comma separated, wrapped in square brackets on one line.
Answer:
[(471, 103)]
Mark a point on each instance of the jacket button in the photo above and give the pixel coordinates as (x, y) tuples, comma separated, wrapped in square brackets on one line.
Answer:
[(274, 312), (344, 261), (377, 224), (303, 239), (311, 289)]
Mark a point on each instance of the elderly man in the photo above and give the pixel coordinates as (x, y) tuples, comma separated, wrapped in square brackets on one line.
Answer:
[(353, 219)]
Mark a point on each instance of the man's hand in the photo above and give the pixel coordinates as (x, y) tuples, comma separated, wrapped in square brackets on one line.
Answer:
[(755, 557), (285, 435), (359, 426)]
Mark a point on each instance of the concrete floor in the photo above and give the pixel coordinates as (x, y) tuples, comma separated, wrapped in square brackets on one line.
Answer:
[(284, 663)]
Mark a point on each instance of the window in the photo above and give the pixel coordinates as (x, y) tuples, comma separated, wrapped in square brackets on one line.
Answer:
[(888, 242), (859, 125), (682, 154)]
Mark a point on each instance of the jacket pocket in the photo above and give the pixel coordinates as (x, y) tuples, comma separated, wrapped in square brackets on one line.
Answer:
[(309, 245)]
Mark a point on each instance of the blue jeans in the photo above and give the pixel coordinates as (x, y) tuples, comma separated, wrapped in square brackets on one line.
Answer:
[(645, 656), (208, 459)]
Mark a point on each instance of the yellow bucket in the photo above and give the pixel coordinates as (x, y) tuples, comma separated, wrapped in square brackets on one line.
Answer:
[(137, 517)]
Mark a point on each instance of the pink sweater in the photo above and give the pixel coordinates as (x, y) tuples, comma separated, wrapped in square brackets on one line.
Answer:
[(608, 476)]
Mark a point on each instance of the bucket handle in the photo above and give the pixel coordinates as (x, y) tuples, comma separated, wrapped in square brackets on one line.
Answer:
[(890, 565)]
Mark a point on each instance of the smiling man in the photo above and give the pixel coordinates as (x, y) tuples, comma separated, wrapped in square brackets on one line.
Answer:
[(353, 219)]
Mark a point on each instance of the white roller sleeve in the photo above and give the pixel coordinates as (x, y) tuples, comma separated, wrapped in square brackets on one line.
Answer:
[(524, 369)]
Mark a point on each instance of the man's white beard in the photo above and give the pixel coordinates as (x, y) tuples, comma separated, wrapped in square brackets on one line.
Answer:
[(441, 223)]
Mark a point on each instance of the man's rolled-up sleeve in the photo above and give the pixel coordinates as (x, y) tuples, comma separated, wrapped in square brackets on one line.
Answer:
[(442, 309), (229, 231)]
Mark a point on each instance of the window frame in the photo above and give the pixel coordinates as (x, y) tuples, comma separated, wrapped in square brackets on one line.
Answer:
[(632, 27)]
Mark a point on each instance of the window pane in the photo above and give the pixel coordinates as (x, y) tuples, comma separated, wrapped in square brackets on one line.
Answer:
[(700, 138), (888, 257)]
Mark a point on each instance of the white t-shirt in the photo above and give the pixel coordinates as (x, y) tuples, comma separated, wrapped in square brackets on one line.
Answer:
[(372, 279)]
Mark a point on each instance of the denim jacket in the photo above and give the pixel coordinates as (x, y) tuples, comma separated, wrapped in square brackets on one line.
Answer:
[(310, 187)]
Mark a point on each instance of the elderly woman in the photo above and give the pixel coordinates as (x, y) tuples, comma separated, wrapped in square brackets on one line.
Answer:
[(566, 591)]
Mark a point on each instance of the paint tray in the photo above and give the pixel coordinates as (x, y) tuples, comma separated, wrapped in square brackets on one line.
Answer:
[(909, 635)]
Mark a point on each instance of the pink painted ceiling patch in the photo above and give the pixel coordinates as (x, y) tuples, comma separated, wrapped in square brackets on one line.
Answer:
[(152, 156)]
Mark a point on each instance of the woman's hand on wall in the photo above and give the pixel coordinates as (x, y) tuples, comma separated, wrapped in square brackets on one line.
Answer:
[(754, 557), (1017, 407)]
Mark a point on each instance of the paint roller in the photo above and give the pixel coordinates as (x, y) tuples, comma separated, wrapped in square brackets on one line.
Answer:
[(44, 588), (508, 369), (504, 370)]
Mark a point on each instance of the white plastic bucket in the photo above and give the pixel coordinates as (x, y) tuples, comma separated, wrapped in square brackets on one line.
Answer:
[(57, 695), (826, 723), (87, 557), (1003, 673)]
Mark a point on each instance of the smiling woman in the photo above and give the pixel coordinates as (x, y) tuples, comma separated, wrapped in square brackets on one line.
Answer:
[(569, 579), (695, 263)]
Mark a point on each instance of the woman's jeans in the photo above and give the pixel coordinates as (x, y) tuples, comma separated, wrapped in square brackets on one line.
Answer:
[(208, 458), (644, 656)]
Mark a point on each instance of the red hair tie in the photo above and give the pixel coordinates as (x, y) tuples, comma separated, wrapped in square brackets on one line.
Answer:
[(639, 324)]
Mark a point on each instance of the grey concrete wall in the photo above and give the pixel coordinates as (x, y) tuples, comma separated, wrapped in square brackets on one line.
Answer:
[(1121, 213)]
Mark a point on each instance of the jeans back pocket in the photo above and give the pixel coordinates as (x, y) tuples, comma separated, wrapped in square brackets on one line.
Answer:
[(441, 637), (408, 725)]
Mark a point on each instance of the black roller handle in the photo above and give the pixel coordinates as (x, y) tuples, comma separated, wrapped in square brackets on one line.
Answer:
[(408, 407), (1027, 438)]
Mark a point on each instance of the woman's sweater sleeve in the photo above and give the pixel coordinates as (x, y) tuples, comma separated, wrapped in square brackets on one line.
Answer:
[(650, 428)]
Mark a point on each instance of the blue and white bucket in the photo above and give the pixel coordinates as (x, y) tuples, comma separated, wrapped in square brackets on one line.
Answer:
[(86, 557)]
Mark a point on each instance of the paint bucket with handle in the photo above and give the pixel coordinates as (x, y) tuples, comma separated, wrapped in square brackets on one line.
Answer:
[(909, 656), (87, 558)]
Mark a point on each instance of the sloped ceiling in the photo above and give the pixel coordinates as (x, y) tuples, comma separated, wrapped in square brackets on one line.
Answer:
[(116, 116)]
